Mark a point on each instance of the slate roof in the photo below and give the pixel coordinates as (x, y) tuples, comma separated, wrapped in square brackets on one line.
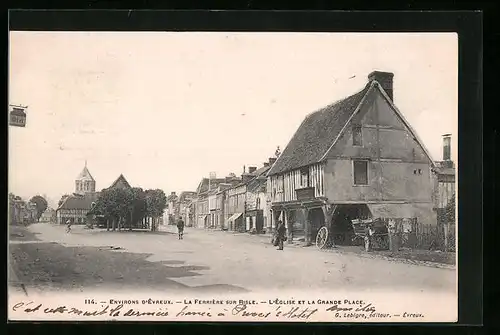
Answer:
[(445, 171), (76, 201), (172, 197), (203, 186), (85, 175), (185, 195), (120, 178), (259, 181), (317, 133)]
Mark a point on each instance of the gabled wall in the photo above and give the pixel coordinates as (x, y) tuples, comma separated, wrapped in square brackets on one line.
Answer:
[(398, 168)]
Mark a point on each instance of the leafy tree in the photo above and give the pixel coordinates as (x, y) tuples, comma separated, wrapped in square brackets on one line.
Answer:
[(139, 205), (156, 202), (450, 211), (121, 206), (41, 205), (128, 206), (62, 200)]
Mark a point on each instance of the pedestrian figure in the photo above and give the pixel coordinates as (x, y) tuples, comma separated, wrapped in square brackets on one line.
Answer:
[(280, 235), (368, 237), (180, 228), (68, 226)]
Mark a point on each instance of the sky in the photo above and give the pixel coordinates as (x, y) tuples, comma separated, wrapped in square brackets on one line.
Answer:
[(167, 108)]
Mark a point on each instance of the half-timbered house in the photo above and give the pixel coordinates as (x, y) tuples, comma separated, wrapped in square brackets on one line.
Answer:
[(356, 158)]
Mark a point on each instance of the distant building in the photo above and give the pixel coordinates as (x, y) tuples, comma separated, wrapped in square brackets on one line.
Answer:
[(208, 187), (179, 206), (49, 216), (444, 182), (120, 182), (192, 216), (75, 207), (256, 211), (172, 210), (22, 212), (85, 183), (235, 203)]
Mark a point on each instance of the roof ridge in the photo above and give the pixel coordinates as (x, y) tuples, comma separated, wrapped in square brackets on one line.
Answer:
[(321, 109), (336, 111), (85, 173)]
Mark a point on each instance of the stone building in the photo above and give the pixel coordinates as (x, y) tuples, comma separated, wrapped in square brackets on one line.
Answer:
[(75, 207)]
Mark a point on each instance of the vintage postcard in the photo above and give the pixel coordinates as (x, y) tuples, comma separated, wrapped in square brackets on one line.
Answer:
[(223, 176)]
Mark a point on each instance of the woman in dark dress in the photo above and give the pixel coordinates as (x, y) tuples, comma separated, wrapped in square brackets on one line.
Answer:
[(180, 228), (280, 235)]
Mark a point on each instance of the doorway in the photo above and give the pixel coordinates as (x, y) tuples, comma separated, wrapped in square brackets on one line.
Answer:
[(342, 230)]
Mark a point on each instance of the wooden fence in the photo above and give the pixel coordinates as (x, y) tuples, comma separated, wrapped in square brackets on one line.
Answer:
[(411, 234)]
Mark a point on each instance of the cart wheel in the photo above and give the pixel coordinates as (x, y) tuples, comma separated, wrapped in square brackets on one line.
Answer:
[(322, 238)]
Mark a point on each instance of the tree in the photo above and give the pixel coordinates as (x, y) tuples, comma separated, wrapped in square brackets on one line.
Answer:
[(139, 206), (450, 210), (124, 206), (62, 200), (156, 202), (41, 205), (118, 206)]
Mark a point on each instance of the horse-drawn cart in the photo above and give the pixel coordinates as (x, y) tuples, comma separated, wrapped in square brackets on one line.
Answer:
[(376, 230)]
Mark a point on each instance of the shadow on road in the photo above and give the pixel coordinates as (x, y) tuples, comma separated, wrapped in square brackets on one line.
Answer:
[(48, 266), (126, 231), (21, 233)]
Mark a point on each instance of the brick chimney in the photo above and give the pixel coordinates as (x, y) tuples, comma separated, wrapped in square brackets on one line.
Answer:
[(385, 79), (252, 169), (446, 147), (246, 177), (173, 193), (272, 160), (266, 164)]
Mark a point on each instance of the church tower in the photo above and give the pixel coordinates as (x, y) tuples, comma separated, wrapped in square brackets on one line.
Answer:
[(84, 183)]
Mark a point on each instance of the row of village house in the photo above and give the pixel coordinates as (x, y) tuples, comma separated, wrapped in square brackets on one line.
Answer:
[(357, 158)]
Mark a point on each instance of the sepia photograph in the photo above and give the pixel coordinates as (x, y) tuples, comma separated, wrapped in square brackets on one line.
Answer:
[(233, 176)]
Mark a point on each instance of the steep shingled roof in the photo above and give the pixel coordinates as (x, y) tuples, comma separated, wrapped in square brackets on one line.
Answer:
[(203, 186), (316, 134), (123, 181), (79, 201), (259, 181), (186, 195)]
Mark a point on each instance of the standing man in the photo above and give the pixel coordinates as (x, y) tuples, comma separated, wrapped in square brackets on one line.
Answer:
[(180, 228), (368, 237), (281, 234), (68, 226)]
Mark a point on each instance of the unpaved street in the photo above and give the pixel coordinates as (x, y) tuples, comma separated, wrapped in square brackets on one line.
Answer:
[(44, 257)]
